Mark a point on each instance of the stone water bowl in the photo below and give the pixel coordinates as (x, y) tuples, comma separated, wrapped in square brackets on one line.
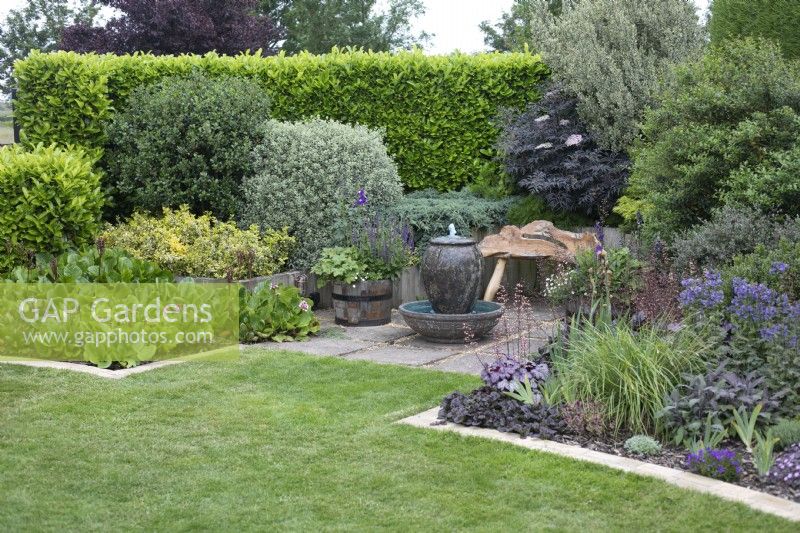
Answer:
[(450, 329)]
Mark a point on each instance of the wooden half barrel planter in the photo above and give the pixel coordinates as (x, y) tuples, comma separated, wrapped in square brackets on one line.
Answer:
[(364, 303)]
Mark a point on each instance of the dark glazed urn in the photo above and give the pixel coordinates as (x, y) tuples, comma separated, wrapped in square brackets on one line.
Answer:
[(451, 274)]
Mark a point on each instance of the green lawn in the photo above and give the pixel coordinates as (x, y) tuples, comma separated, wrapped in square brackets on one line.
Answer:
[(293, 442)]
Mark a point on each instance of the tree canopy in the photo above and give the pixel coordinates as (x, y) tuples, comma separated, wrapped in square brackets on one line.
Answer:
[(317, 26), (516, 28), (177, 26), (38, 26)]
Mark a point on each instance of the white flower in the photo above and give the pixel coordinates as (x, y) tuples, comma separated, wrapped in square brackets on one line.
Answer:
[(542, 118), (544, 145), (563, 122), (575, 138)]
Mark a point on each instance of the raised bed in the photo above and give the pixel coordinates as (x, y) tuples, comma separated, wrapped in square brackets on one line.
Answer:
[(284, 278)]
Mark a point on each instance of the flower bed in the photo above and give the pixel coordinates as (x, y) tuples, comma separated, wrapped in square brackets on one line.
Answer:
[(669, 456)]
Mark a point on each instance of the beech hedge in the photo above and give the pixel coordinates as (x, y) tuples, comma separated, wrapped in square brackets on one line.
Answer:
[(436, 111)]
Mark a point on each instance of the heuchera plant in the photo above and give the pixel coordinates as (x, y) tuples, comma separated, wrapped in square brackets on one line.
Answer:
[(721, 464), (506, 373), (489, 407)]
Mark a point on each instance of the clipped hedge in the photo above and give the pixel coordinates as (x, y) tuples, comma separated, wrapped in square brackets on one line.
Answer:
[(436, 110), (184, 140), (778, 20), (50, 201)]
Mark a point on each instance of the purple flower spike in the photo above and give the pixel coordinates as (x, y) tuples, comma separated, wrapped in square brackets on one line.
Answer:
[(361, 199), (600, 232)]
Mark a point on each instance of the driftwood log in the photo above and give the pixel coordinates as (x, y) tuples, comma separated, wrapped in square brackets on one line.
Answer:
[(538, 240)]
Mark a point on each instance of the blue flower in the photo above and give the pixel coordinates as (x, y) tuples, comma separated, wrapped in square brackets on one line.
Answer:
[(705, 292), (778, 267)]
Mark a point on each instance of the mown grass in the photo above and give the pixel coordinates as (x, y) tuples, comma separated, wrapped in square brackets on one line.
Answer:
[(292, 442)]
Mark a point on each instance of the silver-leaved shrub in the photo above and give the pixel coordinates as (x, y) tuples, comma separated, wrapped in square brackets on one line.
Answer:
[(307, 176), (613, 54)]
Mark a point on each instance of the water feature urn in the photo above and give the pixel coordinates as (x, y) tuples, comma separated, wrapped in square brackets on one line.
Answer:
[(451, 273)]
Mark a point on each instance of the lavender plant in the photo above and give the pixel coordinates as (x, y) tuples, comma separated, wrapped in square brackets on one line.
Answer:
[(721, 464), (378, 246)]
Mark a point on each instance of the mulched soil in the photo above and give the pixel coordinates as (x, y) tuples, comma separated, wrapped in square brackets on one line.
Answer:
[(675, 458)]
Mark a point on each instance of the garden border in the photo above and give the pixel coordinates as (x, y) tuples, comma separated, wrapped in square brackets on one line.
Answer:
[(756, 500), (93, 370)]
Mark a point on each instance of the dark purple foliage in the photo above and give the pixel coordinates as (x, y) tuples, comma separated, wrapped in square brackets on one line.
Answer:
[(489, 408), (506, 372), (176, 27), (721, 464), (550, 153), (786, 469), (715, 393)]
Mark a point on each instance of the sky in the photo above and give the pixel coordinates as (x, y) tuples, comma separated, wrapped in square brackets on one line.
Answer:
[(454, 23)]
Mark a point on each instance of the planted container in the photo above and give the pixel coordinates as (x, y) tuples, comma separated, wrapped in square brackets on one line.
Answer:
[(364, 303)]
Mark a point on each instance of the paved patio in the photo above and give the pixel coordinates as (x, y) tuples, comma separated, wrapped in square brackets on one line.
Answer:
[(397, 344)]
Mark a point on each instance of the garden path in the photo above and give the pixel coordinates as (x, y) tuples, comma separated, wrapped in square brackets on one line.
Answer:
[(397, 344)]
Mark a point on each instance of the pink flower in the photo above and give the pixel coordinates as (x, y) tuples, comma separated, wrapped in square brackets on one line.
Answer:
[(304, 305)]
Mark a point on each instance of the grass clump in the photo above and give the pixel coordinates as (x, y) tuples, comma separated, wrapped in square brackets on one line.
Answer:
[(628, 371)]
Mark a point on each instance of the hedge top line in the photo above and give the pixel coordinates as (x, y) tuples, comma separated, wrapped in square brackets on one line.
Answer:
[(436, 111)]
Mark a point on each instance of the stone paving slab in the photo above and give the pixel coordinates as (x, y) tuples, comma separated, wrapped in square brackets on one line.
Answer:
[(400, 356), (418, 343), (380, 334), (318, 346), (728, 491), (463, 363), (513, 347), (396, 343)]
